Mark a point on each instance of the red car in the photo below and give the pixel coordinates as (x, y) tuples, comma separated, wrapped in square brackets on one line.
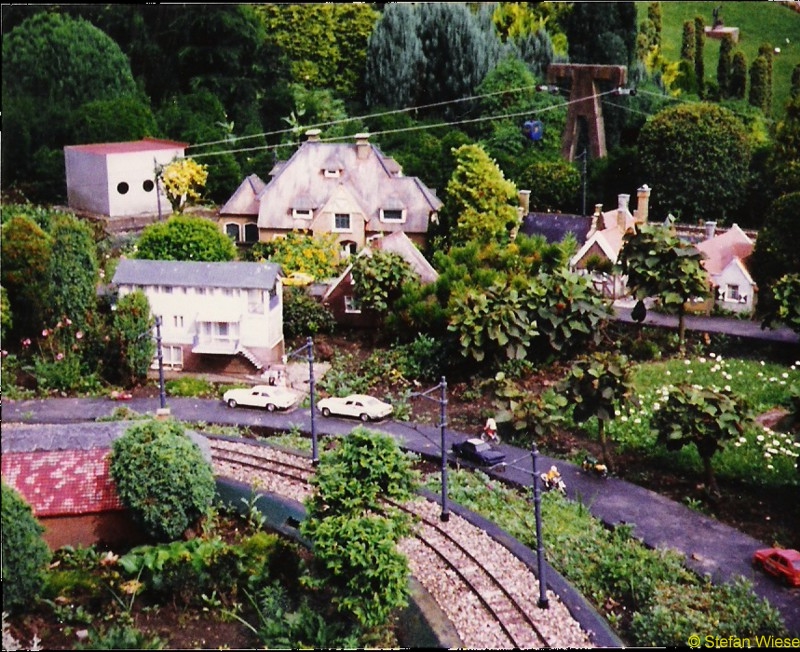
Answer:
[(783, 563)]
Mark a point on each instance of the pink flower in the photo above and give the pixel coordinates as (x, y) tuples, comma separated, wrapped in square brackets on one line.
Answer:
[(68, 321), (26, 342), (60, 356), (79, 335), (4, 353), (59, 325), (45, 333)]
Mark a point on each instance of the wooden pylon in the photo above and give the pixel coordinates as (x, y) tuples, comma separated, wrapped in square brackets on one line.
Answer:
[(585, 103)]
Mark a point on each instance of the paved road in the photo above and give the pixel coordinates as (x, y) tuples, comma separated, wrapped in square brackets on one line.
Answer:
[(707, 545), (726, 325)]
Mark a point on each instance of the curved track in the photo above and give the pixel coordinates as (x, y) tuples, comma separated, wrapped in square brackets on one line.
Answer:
[(481, 589)]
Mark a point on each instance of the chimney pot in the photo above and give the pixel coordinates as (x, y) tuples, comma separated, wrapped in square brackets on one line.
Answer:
[(313, 135), (525, 201), (711, 228), (362, 145)]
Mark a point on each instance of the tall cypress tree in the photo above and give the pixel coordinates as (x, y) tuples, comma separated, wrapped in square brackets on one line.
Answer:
[(689, 41), (765, 50), (699, 47), (654, 15), (759, 74), (738, 82), (724, 66)]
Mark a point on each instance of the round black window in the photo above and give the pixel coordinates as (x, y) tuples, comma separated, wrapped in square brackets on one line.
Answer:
[(122, 188), (148, 185)]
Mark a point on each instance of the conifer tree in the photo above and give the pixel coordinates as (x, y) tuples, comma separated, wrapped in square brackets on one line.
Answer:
[(689, 41), (738, 82), (759, 75), (699, 47), (765, 50), (724, 66)]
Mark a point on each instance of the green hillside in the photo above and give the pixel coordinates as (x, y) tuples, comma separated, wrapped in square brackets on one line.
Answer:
[(758, 22)]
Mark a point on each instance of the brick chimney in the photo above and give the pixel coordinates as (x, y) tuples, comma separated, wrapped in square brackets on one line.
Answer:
[(642, 211), (362, 145), (622, 212), (598, 215), (312, 135), (711, 229)]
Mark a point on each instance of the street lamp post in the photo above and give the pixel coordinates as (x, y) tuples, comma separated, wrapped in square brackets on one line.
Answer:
[(161, 393), (537, 500), (308, 347), (442, 401)]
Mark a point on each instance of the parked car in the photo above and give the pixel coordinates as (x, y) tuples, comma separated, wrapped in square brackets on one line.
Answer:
[(264, 396), (783, 563), (361, 406), (478, 451)]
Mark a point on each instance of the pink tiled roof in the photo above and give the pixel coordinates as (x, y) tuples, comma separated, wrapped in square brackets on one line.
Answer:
[(144, 145), (723, 248), (56, 483)]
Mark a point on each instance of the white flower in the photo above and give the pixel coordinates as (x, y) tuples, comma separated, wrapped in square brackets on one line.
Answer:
[(656, 406), (687, 362), (701, 359), (760, 438)]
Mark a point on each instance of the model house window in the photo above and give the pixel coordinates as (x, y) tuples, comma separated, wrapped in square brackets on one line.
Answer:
[(351, 304), (341, 222), (273, 300), (171, 358), (331, 173), (202, 291), (167, 289), (233, 231), (392, 215), (302, 213), (177, 321), (227, 292), (347, 249), (123, 188), (255, 302), (733, 293), (148, 185), (251, 232)]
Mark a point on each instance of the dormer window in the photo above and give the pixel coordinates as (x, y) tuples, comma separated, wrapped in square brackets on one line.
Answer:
[(341, 222), (393, 215), (331, 173), (302, 213)]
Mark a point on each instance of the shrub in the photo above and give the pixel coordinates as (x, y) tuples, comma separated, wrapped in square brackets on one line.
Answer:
[(304, 315), (25, 553), (190, 387), (162, 477)]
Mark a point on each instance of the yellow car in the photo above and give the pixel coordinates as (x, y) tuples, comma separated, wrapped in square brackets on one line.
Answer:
[(298, 278)]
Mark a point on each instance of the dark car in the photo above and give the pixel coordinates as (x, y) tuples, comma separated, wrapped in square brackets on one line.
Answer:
[(478, 451)]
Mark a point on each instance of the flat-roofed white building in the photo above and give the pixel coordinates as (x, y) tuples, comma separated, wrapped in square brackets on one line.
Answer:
[(221, 317), (119, 179)]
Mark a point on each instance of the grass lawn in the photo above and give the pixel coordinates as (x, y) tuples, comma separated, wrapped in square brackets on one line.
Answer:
[(758, 22)]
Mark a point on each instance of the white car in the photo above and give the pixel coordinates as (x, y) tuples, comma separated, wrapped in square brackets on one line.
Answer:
[(361, 406), (263, 396)]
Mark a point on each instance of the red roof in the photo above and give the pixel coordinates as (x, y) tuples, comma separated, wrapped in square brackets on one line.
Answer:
[(144, 145), (56, 483)]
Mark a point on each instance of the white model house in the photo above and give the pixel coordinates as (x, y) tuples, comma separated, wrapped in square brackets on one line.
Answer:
[(215, 317), (119, 179)]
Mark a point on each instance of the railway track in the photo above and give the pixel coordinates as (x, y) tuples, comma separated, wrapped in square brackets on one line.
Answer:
[(489, 595)]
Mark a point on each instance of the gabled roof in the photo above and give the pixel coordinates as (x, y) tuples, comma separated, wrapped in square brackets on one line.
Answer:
[(371, 178), (400, 244), (721, 249), (197, 274), (554, 227), (244, 201), (144, 145)]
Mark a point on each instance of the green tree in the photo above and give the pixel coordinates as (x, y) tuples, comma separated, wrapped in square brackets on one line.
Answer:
[(394, 59), (795, 82), (602, 33), (659, 264), (775, 253), (355, 531), (185, 238), (738, 81), (324, 44), (699, 53), (6, 316), (555, 186), (379, 278), (655, 16), (704, 417), (72, 271), (700, 153), (785, 302), (480, 198), (52, 65), (760, 90), (784, 163), (26, 253), (118, 119), (725, 66), (131, 327), (688, 42), (766, 50), (596, 386)]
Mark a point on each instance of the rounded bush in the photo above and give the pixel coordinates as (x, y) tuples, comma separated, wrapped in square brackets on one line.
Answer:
[(162, 477), (25, 553)]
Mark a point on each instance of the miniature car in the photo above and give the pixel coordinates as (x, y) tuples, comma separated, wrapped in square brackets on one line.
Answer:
[(478, 451), (783, 563), (361, 406), (298, 279), (263, 396)]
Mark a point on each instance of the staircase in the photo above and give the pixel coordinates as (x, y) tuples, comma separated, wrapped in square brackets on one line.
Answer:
[(240, 350)]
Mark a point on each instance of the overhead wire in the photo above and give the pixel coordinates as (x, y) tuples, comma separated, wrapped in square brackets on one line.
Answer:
[(409, 128)]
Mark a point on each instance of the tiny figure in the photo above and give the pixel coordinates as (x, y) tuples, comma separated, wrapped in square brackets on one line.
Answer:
[(717, 17), (489, 432), (552, 480)]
